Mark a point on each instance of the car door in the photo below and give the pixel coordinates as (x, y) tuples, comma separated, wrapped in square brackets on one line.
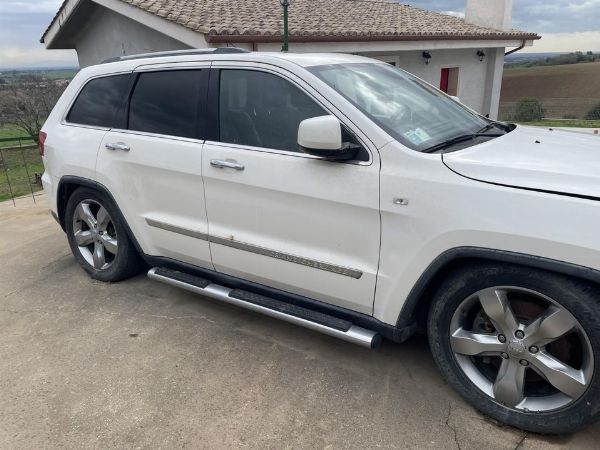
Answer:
[(279, 217), (152, 163)]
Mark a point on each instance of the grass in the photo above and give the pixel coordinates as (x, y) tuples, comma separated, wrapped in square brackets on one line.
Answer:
[(18, 167), (565, 123), (8, 131)]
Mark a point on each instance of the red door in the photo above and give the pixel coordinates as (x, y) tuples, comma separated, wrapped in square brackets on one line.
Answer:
[(445, 80)]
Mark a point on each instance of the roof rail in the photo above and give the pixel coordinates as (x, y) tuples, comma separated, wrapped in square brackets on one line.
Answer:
[(195, 51)]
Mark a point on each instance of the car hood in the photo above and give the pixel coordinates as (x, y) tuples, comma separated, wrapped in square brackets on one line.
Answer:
[(534, 158)]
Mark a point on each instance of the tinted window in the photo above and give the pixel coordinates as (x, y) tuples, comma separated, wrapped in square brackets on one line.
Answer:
[(98, 101), (262, 110), (166, 103)]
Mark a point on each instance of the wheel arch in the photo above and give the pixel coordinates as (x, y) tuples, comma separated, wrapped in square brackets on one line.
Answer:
[(416, 308), (69, 184)]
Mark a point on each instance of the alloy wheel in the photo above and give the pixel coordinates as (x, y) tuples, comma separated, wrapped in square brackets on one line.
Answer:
[(522, 349), (95, 234)]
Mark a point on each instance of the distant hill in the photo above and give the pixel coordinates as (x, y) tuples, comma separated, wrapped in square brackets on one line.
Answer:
[(518, 59), (566, 91), (45, 73), (550, 59)]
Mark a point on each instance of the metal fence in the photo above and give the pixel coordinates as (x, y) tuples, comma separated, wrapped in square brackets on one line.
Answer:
[(555, 108), (21, 168)]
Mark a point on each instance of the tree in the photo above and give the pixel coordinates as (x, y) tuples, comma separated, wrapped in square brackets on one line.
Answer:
[(28, 105), (529, 110)]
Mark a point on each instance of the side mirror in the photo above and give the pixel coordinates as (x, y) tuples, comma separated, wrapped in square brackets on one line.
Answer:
[(322, 136)]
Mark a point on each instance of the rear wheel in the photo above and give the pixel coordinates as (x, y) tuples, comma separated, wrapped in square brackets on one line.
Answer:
[(521, 345), (98, 237)]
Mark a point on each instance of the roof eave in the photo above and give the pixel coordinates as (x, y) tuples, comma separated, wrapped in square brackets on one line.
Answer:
[(64, 13), (247, 38)]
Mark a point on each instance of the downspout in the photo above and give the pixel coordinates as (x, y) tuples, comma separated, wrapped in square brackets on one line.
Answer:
[(515, 50)]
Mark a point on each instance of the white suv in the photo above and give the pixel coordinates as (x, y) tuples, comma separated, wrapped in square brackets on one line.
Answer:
[(342, 194)]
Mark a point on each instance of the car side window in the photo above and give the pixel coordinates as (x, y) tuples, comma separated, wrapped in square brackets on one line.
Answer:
[(98, 101), (166, 103), (260, 109)]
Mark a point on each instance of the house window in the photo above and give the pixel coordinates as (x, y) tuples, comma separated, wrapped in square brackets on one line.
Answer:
[(449, 81)]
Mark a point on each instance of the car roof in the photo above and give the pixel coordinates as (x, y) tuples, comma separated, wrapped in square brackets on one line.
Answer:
[(282, 59)]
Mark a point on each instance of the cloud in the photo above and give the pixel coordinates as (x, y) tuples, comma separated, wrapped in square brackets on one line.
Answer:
[(22, 22), (44, 6), (566, 42), (547, 16), (454, 13), (23, 57)]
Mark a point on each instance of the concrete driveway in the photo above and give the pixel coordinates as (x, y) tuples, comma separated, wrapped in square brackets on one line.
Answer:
[(139, 364)]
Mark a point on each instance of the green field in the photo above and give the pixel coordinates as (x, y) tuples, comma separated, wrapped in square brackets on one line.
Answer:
[(8, 131), (17, 171)]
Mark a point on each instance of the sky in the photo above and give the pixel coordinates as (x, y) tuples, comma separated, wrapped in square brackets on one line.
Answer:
[(566, 25)]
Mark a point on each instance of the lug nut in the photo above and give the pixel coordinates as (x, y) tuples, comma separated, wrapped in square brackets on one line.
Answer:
[(504, 355), (534, 349), (519, 334), (502, 338), (524, 363)]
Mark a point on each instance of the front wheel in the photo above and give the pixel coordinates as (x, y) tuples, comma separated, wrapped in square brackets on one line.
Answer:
[(98, 237), (520, 345)]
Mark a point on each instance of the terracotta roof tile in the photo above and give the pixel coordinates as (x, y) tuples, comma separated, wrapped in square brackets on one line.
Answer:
[(319, 19)]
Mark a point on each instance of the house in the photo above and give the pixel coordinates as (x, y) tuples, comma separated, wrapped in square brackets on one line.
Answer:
[(462, 56)]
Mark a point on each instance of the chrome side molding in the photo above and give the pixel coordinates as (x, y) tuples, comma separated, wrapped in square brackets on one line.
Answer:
[(251, 248), (354, 334), (175, 229)]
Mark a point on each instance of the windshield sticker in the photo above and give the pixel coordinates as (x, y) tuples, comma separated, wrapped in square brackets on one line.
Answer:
[(417, 136)]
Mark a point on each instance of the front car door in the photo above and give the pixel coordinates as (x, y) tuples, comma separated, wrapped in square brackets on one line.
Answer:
[(152, 162), (279, 217)]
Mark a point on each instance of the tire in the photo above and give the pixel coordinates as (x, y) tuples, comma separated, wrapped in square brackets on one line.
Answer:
[(513, 381), (99, 238)]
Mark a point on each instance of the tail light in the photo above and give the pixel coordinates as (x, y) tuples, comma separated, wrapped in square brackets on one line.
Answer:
[(41, 141)]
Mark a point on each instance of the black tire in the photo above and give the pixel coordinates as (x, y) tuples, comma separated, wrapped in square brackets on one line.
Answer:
[(578, 297), (127, 262)]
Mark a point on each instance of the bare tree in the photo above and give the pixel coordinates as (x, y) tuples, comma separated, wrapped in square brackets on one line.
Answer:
[(27, 105)]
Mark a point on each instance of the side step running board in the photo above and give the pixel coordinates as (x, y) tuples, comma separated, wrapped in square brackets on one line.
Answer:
[(298, 315)]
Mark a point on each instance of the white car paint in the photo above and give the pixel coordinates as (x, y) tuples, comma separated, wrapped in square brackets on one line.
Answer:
[(534, 158), (390, 218)]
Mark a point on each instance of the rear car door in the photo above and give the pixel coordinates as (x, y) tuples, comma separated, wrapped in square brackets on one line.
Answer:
[(279, 217), (152, 162)]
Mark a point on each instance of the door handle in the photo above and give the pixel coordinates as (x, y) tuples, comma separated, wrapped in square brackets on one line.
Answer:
[(118, 146), (226, 164)]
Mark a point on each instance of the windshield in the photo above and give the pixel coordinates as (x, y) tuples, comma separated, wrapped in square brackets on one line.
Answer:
[(411, 111)]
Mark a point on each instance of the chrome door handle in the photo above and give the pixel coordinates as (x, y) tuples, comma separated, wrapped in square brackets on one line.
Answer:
[(226, 164), (118, 146)]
